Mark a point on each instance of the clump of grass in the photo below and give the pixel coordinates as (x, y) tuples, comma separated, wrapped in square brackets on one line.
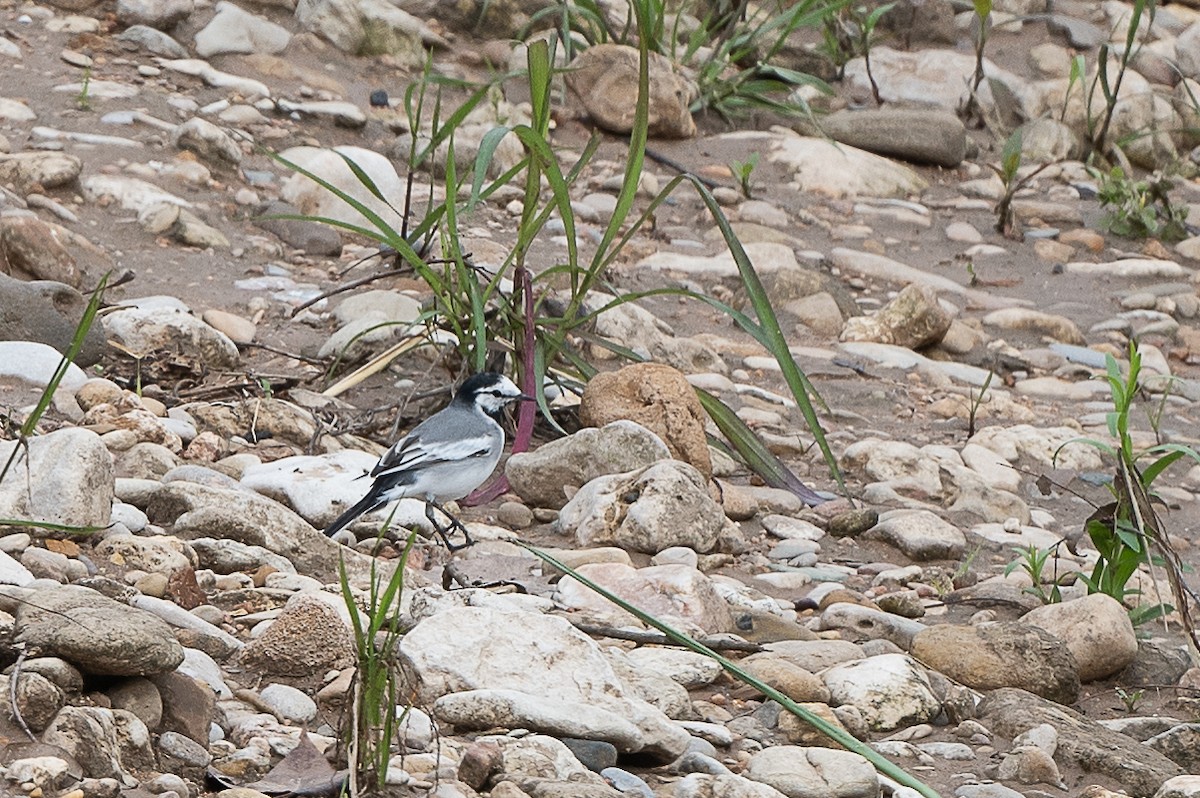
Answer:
[(374, 724), (1141, 208), (540, 325), (1127, 530)]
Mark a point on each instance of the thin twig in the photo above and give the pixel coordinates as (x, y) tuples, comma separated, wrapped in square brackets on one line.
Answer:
[(12, 691), (648, 638)]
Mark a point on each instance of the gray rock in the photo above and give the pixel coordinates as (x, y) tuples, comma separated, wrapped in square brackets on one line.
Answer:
[(1078, 32), (1157, 662), (207, 140), (540, 476), (229, 556), (728, 785), (513, 709), (47, 169), (1007, 654), (308, 638), (921, 535), (814, 772), (152, 41), (67, 478), (46, 312), (38, 699), (1082, 742), (160, 14), (663, 505), (202, 511), (99, 739), (867, 623), (102, 636), (313, 238), (233, 30), (143, 331), (939, 78), (605, 79), (986, 791), (643, 332), (139, 696), (368, 27), (1047, 140), (1096, 629), (924, 137)]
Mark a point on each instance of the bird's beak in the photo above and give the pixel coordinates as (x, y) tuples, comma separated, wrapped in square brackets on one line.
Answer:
[(526, 398)]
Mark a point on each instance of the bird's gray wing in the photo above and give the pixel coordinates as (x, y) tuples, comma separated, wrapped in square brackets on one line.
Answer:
[(412, 453)]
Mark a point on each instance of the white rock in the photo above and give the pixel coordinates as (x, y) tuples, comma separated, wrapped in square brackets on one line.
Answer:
[(233, 30), (991, 467), (725, 785), (1132, 267), (35, 364), (16, 111), (66, 478), (474, 648), (665, 504), (290, 704), (767, 257), (904, 467), (685, 667), (890, 690), (144, 331), (676, 593), (319, 488), (921, 535), (129, 193), (513, 709), (839, 170), (313, 200), (1051, 447), (797, 771)]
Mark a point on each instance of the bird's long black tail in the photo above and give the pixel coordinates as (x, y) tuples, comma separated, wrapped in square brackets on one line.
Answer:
[(365, 505)]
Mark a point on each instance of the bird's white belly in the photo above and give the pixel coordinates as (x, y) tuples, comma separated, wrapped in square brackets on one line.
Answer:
[(447, 481)]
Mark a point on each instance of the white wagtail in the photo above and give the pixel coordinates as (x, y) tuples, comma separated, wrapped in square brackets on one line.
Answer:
[(445, 457)]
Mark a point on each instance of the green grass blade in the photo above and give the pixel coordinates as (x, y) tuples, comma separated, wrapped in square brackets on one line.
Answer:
[(776, 344), (753, 451), (50, 526), (849, 742), (73, 350)]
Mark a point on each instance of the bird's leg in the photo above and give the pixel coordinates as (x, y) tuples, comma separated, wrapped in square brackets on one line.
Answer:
[(443, 531)]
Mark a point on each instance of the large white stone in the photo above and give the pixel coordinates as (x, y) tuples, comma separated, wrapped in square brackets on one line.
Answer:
[(66, 478), (890, 690), (1096, 629), (478, 648)]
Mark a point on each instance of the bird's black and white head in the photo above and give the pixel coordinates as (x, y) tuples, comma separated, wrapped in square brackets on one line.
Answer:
[(490, 392)]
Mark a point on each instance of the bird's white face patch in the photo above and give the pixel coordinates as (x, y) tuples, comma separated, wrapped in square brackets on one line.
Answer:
[(495, 396)]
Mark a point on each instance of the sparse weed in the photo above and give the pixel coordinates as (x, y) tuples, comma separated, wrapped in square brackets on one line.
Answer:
[(1032, 561), (1009, 174), (83, 100), (1130, 699), (374, 723), (1141, 208), (742, 171), (1125, 530)]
